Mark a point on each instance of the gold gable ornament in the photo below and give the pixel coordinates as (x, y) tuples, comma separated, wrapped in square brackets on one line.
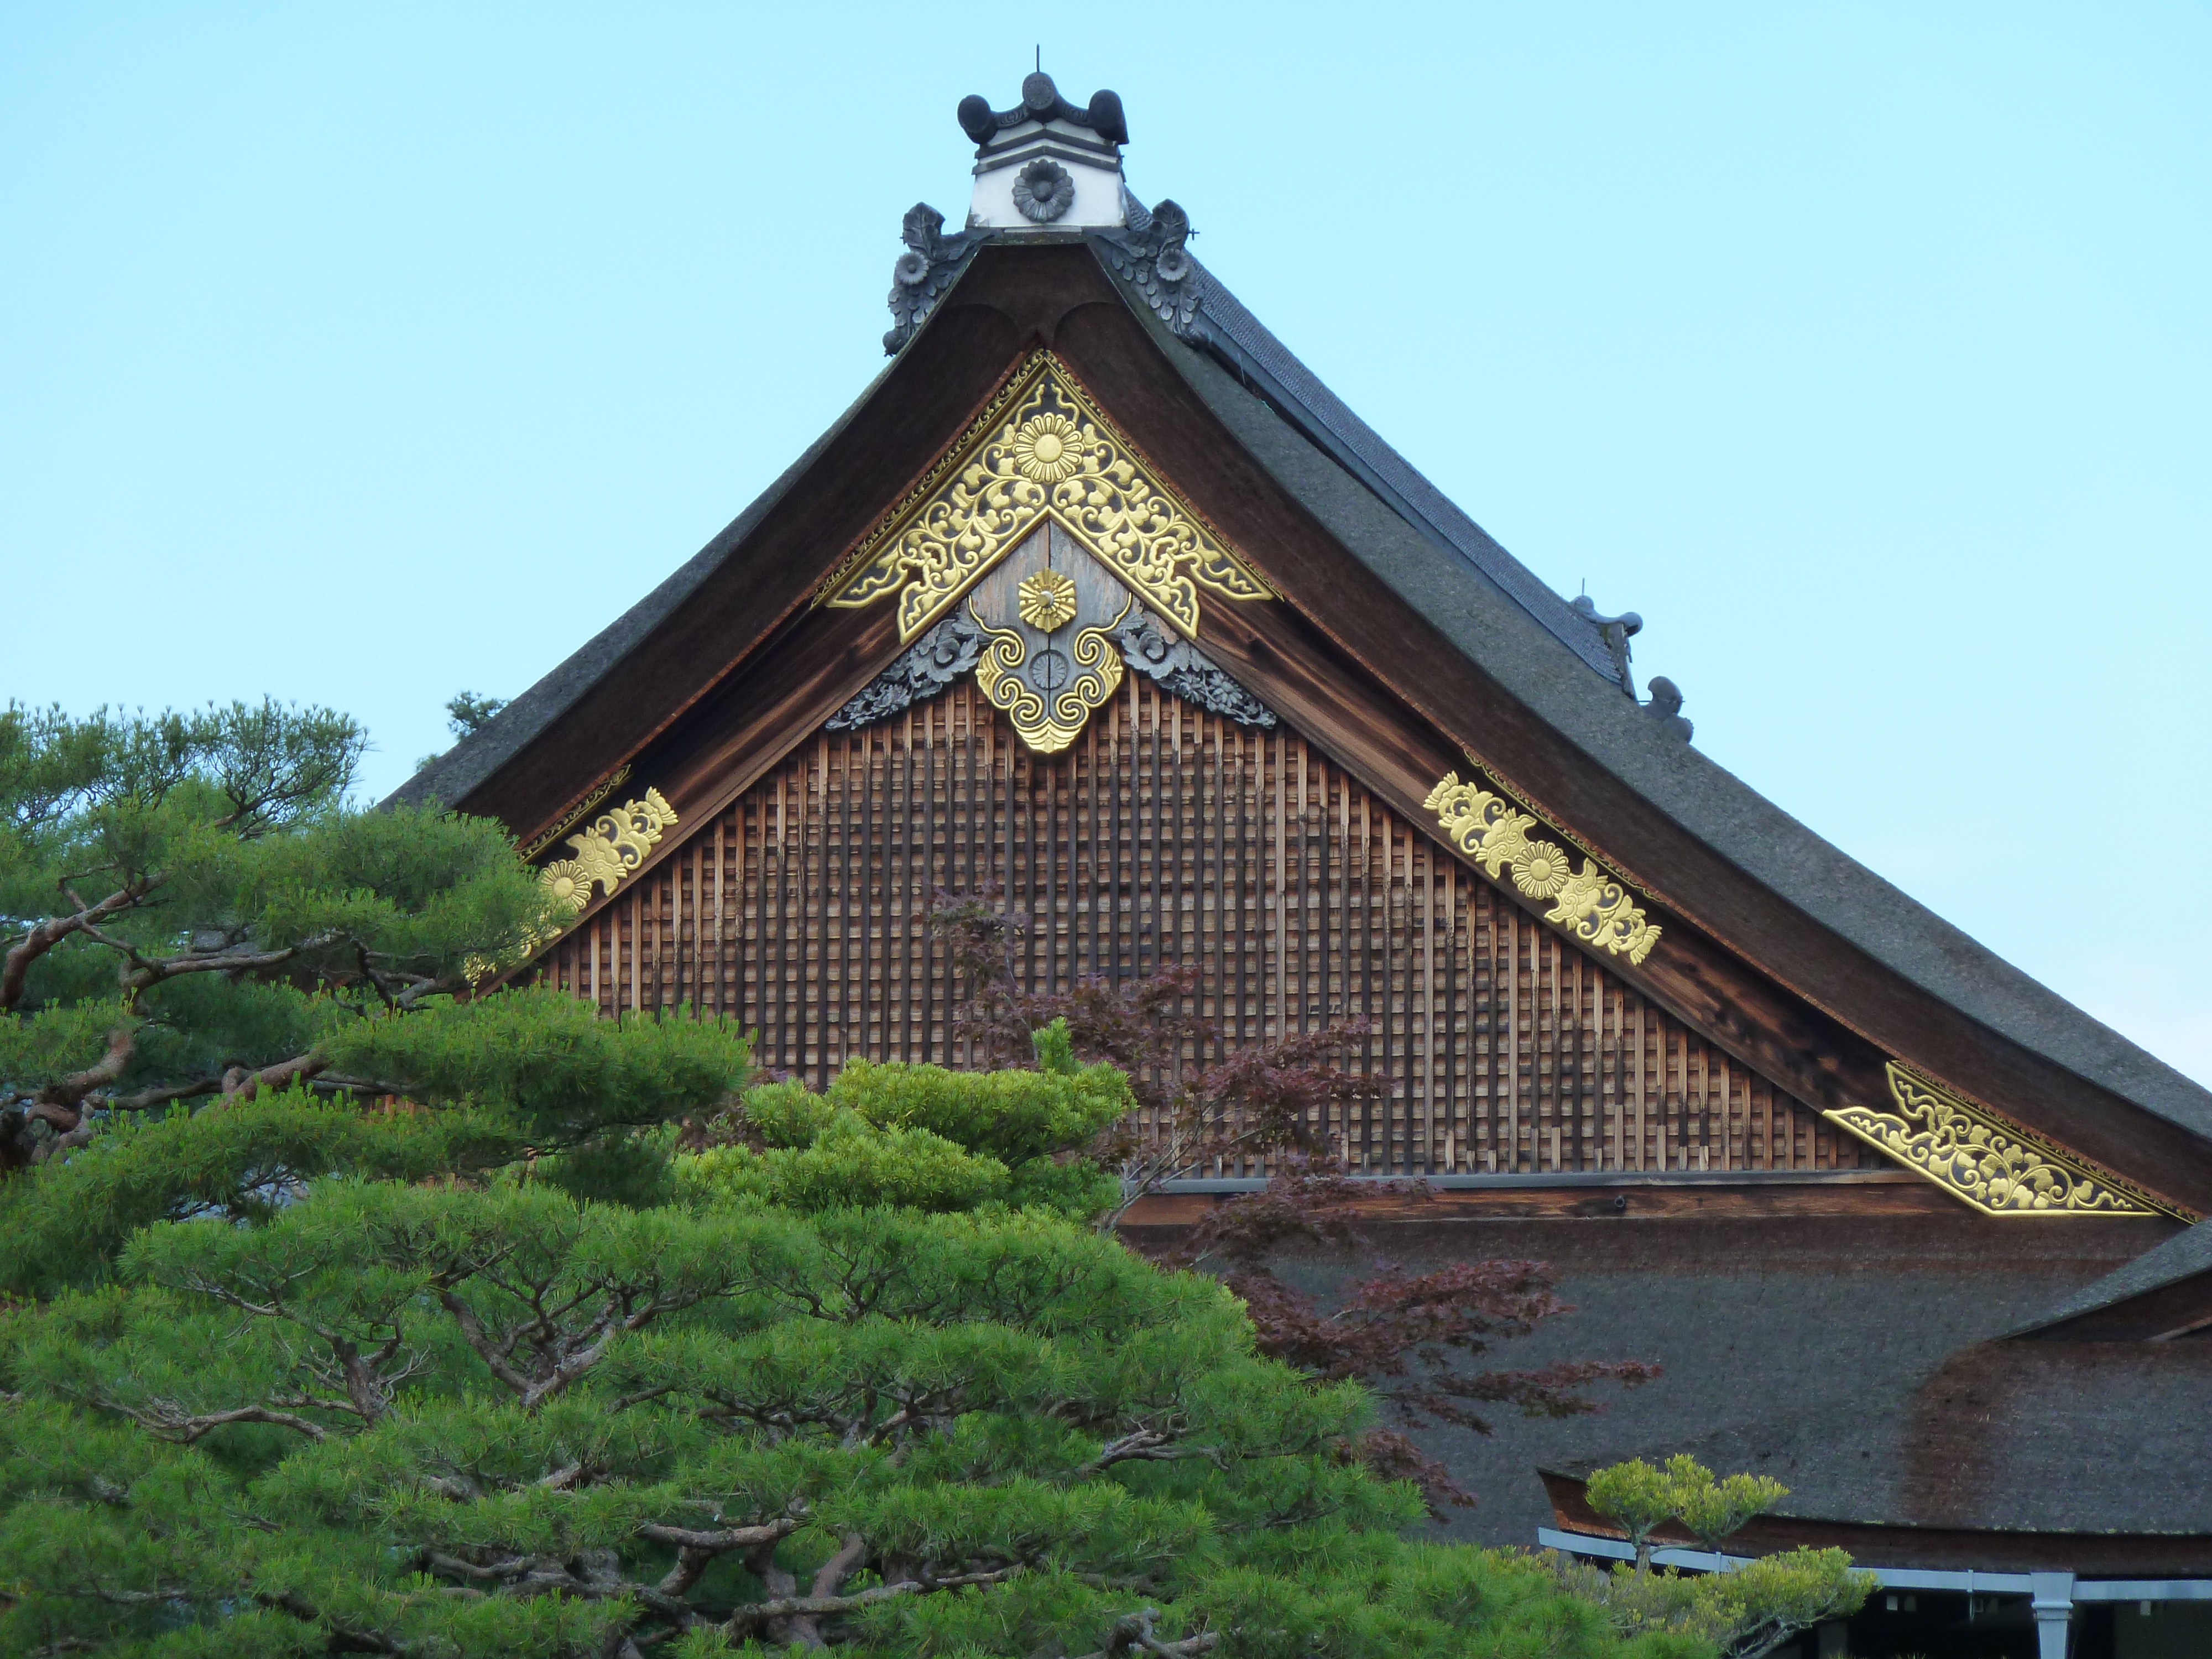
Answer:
[(1592, 903), (1048, 695), (612, 848), (1039, 451), (1982, 1161)]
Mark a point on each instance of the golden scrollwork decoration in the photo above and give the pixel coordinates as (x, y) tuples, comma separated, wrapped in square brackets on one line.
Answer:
[(615, 845), (1046, 697), (1976, 1157), (1042, 451), (1592, 903)]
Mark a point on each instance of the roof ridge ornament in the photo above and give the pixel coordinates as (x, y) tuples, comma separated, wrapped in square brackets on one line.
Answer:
[(1150, 254), (1666, 707), (1046, 166), (1615, 631), (921, 275), (1041, 101)]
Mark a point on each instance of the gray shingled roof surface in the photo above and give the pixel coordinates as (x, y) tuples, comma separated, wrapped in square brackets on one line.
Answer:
[(2183, 1256), (1856, 1360), (1362, 452)]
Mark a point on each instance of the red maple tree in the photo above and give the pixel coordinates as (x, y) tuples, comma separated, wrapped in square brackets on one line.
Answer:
[(1411, 1337)]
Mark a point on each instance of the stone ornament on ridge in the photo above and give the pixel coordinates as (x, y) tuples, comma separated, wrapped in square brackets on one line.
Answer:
[(1043, 191)]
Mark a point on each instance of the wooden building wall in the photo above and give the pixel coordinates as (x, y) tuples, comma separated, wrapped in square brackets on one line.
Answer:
[(1166, 834)]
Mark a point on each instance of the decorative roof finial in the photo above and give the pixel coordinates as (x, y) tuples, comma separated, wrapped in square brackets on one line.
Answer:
[(1046, 164)]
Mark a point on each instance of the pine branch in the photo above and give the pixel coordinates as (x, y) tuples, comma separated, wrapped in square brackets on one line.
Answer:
[(42, 936), (753, 1616), (1147, 1445), (57, 1102), (164, 1421), (300, 1067), (1133, 1632)]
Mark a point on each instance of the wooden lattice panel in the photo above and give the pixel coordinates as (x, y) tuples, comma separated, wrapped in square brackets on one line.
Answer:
[(1169, 835)]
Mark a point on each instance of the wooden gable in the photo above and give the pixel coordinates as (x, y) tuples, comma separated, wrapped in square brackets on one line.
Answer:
[(1556, 980), (1168, 834)]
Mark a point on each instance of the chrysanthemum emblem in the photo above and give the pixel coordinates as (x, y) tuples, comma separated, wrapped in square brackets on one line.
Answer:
[(1046, 600), (1047, 449), (1540, 869), (569, 881)]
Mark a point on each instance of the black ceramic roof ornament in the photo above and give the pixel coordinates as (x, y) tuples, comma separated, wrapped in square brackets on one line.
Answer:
[(1041, 101)]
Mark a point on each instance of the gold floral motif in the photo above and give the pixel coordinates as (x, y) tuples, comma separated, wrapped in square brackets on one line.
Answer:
[(1540, 869), (1047, 715), (569, 881), (1042, 451), (613, 847), (1590, 903), (1046, 599), (1974, 1156)]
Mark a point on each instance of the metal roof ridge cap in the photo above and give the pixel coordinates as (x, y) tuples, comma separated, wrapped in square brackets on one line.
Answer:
[(1939, 1578)]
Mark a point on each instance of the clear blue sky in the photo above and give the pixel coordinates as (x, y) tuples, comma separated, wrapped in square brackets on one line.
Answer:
[(361, 354)]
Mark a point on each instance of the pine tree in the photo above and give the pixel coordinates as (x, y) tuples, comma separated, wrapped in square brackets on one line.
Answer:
[(866, 1378), (191, 909)]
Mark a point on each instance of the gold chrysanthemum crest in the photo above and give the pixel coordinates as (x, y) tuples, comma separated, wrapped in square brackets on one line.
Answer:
[(1591, 904), (1045, 449), (1041, 450), (1988, 1163), (1046, 599)]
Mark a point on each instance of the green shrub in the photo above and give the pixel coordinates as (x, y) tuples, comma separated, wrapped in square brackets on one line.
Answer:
[(922, 1137), (786, 1114), (849, 1163), (1013, 1117)]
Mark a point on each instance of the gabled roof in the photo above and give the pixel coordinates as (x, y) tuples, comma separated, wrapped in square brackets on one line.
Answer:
[(1590, 756), (2134, 1289)]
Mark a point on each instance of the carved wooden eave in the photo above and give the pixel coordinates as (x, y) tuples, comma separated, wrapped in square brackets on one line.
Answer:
[(1399, 664)]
